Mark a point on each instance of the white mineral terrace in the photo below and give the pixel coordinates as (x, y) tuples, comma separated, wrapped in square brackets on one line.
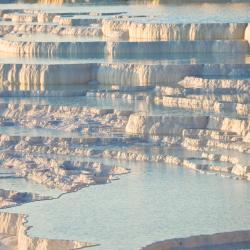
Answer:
[(124, 123), (13, 236)]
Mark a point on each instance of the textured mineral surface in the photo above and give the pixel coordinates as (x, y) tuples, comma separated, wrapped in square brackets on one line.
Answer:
[(89, 88)]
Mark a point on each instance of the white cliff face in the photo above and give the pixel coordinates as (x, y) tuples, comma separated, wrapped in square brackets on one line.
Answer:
[(62, 117), (163, 125), (157, 47), (198, 140), (191, 80), (159, 31)]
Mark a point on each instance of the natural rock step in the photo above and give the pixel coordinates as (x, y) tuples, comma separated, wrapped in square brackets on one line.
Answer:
[(7, 141), (149, 2), (51, 28), (145, 75), (165, 31), (10, 198), (13, 227), (65, 118), (213, 84), (81, 146), (131, 30), (116, 49), (206, 105), (218, 241), (76, 148), (153, 125), (119, 74), (200, 143), (11, 90)]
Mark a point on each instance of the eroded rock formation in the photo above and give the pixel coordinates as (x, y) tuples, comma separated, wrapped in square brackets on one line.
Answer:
[(81, 87), (10, 198), (13, 235), (219, 240)]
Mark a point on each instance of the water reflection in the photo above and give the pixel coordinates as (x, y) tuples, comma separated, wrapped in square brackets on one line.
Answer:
[(176, 203)]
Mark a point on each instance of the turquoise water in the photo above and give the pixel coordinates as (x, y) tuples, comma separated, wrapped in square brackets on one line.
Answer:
[(154, 202), (13, 182)]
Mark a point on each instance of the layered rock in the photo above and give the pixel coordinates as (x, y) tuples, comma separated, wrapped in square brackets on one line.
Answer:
[(67, 176), (205, 104), (214, 84), (165, 31), (143, 75), (10, 198), (219, 240), (192, 79), (126, 74), (13, 233), (52, 48), (75, 119), (54, 29)]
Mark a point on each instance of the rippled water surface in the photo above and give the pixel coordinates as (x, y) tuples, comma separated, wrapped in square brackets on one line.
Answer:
[(197, 13), (152, 203)]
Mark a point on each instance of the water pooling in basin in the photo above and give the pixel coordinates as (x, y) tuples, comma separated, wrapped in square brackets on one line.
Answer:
[(154, 202), (196, 12), (165, 88)]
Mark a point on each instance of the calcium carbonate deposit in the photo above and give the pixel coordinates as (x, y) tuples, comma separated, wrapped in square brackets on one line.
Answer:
[(124, 124)]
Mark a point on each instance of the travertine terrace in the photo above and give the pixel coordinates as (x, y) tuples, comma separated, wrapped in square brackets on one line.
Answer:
[(13, 236), (78, 86)]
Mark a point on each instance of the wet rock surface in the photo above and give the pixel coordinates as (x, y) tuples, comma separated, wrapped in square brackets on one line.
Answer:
[(10, 198), (13, 236), (81, 86)]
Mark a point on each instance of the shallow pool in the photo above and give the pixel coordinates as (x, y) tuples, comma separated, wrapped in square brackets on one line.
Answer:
[(154, 202)]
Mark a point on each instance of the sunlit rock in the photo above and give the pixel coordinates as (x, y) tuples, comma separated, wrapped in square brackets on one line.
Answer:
[(13, 230), (162, 31), (160, 125), (9, 198)]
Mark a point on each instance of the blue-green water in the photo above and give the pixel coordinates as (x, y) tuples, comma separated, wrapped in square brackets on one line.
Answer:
[(154, 202), (171, 13)]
